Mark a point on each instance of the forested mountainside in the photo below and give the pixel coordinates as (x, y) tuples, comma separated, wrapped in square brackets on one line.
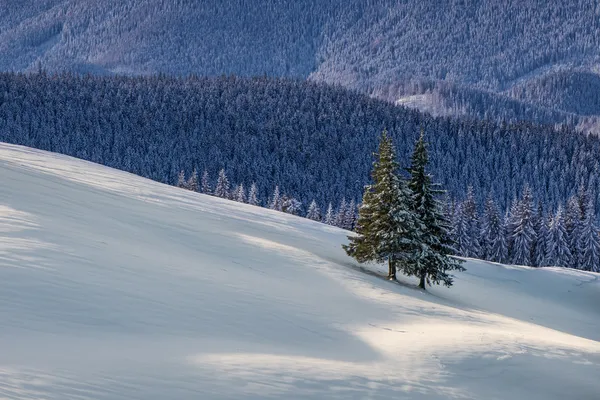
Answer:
[(533, 51), (313, 140)]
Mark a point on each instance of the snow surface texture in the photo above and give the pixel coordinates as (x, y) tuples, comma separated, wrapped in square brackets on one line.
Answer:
[(117, 287)]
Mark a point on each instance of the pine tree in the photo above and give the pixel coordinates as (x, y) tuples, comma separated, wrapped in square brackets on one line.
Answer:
[(542, 240), (387, 228), (222, 188), (253, 195), (557, 247), (432, 262), (471, 219), (240, 194), (499, 251), (341, 214), (291, 205), (589, 241), (523, 234), (460, 232), (349, 216), (573, 226), (181, 180), (206, 189), (276, 202), (329, 218), (491, 231), (192, 183), (537, 249), (313, 211)]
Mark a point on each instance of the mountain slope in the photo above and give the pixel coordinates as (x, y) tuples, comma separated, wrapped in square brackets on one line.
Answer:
[(116, 287), (372, 46)]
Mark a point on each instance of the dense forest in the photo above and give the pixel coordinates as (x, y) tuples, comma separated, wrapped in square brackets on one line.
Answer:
[(528, 60), (313, 140)]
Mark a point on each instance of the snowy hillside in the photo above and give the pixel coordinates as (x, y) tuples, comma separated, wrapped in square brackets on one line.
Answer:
[(117, 287)]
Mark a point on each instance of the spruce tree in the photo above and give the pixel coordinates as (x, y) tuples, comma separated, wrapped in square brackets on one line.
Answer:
[(329, 217), (387, 228), (206, 189), (432, 262), (499, 251), (557, 246), (542, 240), (192, 183), (253, 195), (341, 214), (471, 219), (276, 202), (491, 231), (589, 241), (240, 194), (573, 226), (523, 234), (349, 216), (313, 211), (181, 179), (222, 188)]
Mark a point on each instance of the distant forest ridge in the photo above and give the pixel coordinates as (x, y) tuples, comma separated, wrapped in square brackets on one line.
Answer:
[(312, 140), (504, 60)]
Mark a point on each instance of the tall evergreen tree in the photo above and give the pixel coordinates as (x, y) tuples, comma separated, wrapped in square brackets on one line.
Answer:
[(523, 234), (341, 214), (432, 262), (329, 217), (491, 230), (313, 211), (206, 189), (499, 251), (253, 195), (181, 180), (460, 232), (276, 202), (240, 193), (387, 228), (589, 241), (222, 187), (471, 216), (349, 216), (192, 183), (542, 241), (558, 253), (573, 221)]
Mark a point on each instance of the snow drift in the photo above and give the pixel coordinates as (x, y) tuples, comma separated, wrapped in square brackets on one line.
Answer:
[(117, 287)]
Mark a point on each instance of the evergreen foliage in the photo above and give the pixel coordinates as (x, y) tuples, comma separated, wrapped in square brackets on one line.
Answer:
[(387, 228), (431, 262)]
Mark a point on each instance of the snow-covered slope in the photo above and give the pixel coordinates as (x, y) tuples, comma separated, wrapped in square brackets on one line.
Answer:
[(116, 287)]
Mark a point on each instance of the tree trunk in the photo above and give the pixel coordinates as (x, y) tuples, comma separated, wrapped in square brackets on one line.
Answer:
[(422, 281), (391, 269)]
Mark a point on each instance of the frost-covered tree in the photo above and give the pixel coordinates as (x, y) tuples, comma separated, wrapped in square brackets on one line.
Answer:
[(192, 182), (491, 231), (222, 187), (206, 188), (574, 214), (253, 195), (589, 241), (291, 205), (341, 214), (431, 263), (542, 241), (558, 253), (471, 219), (240, 193), (460, 232), (523, 232), (387, 227), (329, 217), (181, 180), (349, 218), (276, 201), (313, 211), (499, 251)]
